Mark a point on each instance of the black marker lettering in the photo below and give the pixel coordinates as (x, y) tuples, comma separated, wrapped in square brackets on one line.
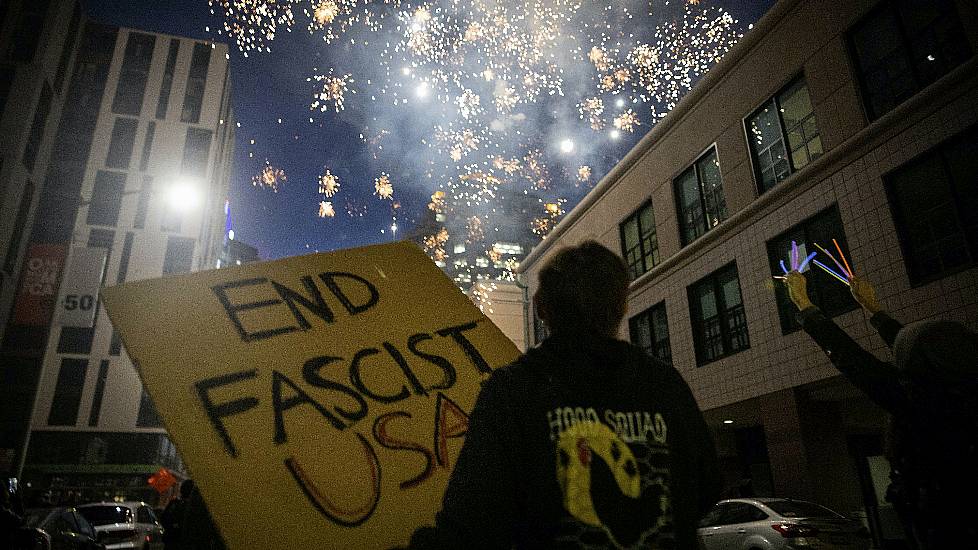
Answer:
[(467, 346), (389, 442), (310, 372), (316, 305), (233, 309), (399, 359), (280, 406), (448, 380), (329, 280), (229, 408), (357, 381)]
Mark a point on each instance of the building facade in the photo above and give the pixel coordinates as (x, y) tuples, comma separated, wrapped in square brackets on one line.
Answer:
[(852, 121), (135, 188)]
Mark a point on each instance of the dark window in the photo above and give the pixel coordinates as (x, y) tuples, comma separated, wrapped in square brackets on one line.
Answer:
[(699, 198), (831, 296), (122, 143), (147, 146), (102, 238), (172, 218), (639, 245), (717, 311), (33, 145), (20, 224), (788, 117), (132, 77), (66, 48), (167, 84), (68, 392), (196, 82), (934, 199), (179, 255), (28, 31), (115, 345), (148, 417), (142, 205), (196, 149), (103, 374), (77, 340), (106, 198), (143, 515), (649, 330), (902, 46), (124, 259)]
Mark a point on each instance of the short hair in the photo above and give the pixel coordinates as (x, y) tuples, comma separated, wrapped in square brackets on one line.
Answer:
[(584, 287)]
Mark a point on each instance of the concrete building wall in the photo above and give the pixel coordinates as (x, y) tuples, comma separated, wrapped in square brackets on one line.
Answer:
[(777, 373), (506, 305)]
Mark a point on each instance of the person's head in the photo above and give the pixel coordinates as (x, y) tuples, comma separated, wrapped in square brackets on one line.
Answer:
[(186, 488), (583, 288), (942, 352)]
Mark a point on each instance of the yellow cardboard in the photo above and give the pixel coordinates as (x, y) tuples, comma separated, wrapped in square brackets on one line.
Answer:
[(318, 401)]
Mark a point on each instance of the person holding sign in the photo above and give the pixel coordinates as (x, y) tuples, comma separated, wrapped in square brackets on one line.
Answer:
[(932, 440), (584, 439)]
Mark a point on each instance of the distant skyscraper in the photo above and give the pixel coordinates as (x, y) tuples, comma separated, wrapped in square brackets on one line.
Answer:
[(135, 188)]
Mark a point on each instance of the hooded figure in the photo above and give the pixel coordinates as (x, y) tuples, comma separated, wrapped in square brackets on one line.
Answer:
[(930, 392)]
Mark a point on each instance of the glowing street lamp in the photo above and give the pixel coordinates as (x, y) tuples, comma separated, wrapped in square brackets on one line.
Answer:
[(566, 146), (183, 196)]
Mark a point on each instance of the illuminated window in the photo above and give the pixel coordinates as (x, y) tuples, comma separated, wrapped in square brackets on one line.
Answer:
[(639, 245), (507, 248), (700, 202), (459, 248), (482, 262), (718, 317), (649, 330)]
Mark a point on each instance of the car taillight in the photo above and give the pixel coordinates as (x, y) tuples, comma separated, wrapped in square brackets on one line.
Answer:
[(791, 530)]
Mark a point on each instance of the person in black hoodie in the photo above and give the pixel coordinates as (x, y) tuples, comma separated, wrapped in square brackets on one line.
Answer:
[(929, 392), (585, 441)]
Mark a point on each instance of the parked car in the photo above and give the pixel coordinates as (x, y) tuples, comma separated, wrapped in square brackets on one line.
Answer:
[(778, 524), (125, 525), (56, 529)]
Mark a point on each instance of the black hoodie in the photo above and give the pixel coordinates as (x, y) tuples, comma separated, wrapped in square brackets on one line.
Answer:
[(582, 442)]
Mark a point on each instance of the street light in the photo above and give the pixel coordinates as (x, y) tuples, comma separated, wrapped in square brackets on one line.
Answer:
[(394, 231), (183, 195)]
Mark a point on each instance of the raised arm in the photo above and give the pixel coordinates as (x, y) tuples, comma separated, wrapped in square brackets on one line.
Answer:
[(865, 295), (878, 379)]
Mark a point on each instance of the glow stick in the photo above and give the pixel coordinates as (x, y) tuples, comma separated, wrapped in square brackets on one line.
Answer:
[(830, 272), (805, 263), (829, 254), (783, 268), (794, 256), (843, 256)]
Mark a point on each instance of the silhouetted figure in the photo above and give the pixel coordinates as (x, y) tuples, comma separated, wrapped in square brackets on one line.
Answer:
[(930, 392), (585, 441), (173, 514), (198, 530)]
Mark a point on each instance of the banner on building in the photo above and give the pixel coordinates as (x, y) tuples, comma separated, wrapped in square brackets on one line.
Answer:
[(318, 401), (39, 284), (82, 280)]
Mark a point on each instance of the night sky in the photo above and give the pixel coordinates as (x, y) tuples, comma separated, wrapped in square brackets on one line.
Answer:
[(273, 86)]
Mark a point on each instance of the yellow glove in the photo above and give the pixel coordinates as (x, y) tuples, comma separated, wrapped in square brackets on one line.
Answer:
[(797, 289), (865, 294)]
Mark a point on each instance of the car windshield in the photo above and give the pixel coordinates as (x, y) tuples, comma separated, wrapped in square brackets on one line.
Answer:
[(800, 509), (103, 515)]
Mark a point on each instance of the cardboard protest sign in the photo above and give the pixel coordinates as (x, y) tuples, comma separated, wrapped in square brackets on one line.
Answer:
[(318, 401)]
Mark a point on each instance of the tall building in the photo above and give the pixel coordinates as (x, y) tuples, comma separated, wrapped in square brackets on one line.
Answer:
[(852, 121), (135, 189)]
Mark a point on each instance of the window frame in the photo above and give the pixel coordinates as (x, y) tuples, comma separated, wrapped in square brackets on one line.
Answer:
[(697, 321), (653, 236), (695, 168), (783, 130), (648, 314)]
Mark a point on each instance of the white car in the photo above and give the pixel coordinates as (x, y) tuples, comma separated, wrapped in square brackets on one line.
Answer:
[(124, 525), (778, 524)]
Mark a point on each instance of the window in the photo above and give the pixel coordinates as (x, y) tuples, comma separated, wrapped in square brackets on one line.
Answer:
[(103, 209), (122, 143), (459, 248), (699, 198), (507, 248), (196, 82), (124, 259), (145, 515), (132, 77), (33, 145), (102, 238), (172, 218), (142, 205), (20, 223), (148, 417), (115, 345), (103, 374), (717, 311), (27, 33), (828, 294), (788, 117), (147, 146), (649, 330), (68, 392), (179, 255), (639, 245), (167, 84), (934, 199), (196, 149), (66, 48), (902, 46)]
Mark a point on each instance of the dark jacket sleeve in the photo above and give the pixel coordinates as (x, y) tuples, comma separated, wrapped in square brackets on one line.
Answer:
[(887, 326), (705, 454), (878, 379), (480, 504)]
